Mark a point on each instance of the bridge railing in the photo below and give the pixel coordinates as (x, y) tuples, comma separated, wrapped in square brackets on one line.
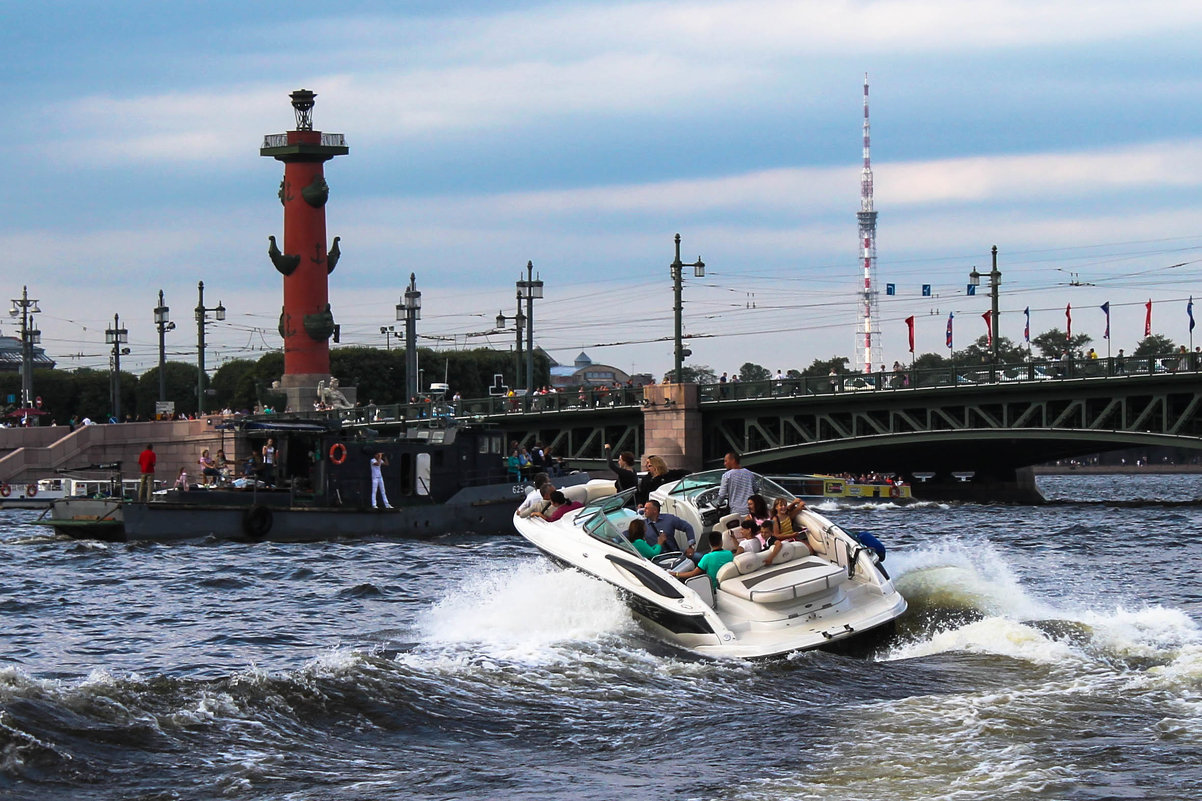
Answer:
[(954, 375)]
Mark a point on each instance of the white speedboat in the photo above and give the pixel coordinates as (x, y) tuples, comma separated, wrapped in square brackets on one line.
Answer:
[(824, 590)]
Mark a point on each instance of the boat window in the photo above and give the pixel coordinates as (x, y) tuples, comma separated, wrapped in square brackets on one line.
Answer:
[(695, 482), (608, 520)]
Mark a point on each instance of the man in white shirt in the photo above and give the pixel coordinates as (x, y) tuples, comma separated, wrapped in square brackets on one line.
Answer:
[(378, 462)]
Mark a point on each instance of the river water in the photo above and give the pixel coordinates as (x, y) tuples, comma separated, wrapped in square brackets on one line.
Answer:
[(1051, 652)]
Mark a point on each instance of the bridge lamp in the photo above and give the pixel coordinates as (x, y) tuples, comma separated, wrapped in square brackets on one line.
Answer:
[(995, 282), (677, 267), (410, 310)]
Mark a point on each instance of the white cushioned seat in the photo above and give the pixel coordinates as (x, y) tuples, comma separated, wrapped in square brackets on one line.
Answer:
[(578, 493), (783, 582)]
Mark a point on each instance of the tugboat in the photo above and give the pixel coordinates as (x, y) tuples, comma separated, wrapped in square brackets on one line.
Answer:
[(444, 475)]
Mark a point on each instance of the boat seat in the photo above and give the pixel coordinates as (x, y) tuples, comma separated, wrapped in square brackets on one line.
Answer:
[(727, 524), (578, 493), (793, 574), (599, 488)]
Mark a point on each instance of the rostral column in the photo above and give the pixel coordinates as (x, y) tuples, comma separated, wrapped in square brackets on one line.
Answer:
[(306, 322)]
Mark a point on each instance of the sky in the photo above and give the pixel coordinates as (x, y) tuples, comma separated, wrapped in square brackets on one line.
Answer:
[(582, 136)]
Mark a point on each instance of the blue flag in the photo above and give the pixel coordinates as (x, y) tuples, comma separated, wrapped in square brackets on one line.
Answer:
[(1027, 329), (1189, 309), (1106, 308), (890, 289), (926, 290), (972, 290), (950, 315)]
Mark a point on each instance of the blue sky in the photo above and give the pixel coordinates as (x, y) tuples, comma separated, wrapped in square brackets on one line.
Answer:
[(583, 136)]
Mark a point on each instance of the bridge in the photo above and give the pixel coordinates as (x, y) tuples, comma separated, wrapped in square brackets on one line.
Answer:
[(967, 432)]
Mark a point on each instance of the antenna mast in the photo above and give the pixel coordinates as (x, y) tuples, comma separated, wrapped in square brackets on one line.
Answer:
[(868, 332)]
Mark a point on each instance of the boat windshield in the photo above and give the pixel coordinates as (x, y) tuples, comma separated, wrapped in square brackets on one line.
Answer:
[(695, 484), (606, 519)]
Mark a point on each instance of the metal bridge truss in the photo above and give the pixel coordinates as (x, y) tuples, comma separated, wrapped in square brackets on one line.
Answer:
[(1068, 417)]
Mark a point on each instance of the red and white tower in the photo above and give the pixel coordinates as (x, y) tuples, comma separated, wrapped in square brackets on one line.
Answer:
[(868, 332), (306, 322)]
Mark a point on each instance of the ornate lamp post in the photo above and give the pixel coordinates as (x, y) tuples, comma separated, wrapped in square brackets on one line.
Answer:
[(26, 307), (201, 320), (530, 288), (163, 324), (519, 321), (995, 281), (410, 310), (116, 336), (677, 268)]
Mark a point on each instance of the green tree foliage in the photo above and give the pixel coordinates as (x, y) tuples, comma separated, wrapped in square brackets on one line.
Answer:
[(979, 352), (821, 367), (181, 388), (237, 384), (753, 372), (694, 374), (1051, 344), (926, 361), (1155, 345)]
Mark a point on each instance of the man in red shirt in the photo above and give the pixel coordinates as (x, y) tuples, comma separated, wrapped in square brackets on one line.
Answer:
[(146, 460)]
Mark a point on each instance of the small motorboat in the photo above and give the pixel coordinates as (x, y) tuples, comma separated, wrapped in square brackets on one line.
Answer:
[(826, 587)]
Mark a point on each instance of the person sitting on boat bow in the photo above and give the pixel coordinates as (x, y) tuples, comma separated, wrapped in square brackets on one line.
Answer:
[(560, 506), (537, 501), (782, 518), (668, 524)]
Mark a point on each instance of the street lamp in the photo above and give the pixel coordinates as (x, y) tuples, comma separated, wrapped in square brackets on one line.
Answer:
[(410, 310), (530, 289), (995, 281), (163, 325), (390, 333), (26, 307), (699, 272), (519, 322), (201, 320), (116, 336)]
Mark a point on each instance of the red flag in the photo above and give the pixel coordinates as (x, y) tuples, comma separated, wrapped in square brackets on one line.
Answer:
[(1068, 315), (910, 324), (988, 316), (1148, 320)]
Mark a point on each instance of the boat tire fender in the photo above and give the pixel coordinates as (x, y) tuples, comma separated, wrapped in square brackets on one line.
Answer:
[(256, 521), (5, 489), (31, 489), (337, 453)]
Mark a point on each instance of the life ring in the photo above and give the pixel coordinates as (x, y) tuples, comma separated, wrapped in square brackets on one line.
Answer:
[(337, 453), (256, 521), (31, 489), (5, 489)]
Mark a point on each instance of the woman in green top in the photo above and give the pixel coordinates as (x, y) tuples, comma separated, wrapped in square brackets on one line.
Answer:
[(637, 533)]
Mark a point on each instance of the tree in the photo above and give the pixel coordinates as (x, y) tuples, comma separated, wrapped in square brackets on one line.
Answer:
[(181, 388), (979, 352), (928, 361), (822, 367), (1155, 345), (694, 374), (1051, 343), (753, 372)]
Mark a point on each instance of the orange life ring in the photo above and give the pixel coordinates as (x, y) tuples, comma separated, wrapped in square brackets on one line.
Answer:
[(337, 453), (5, 489), (31, 489)]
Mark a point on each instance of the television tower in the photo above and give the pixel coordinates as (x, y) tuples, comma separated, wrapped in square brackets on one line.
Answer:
[(869, 311)]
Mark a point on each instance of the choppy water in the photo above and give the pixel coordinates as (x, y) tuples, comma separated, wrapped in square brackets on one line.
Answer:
[(1050, 652)]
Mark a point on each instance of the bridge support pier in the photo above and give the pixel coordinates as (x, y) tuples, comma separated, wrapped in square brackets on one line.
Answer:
[(1016, 486), (672, 424)]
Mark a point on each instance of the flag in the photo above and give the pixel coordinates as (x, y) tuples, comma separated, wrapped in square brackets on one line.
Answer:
[(1189, 309), (950, 315), (988, 317), (1068, 315), (1106, 308), (1027, 329), (910, 325), (972, 290), (1148, 320), (890, 289), (926, 290)]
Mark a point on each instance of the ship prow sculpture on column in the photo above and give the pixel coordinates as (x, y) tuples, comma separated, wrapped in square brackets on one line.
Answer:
[(306, 319)]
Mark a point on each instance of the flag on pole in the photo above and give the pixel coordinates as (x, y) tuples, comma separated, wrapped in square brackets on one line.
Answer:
[(910, 325), (988, 317), (950, 315), (1027, 329), (1068, 315), (1106, 308), (1148, 320), (1189, 309)]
